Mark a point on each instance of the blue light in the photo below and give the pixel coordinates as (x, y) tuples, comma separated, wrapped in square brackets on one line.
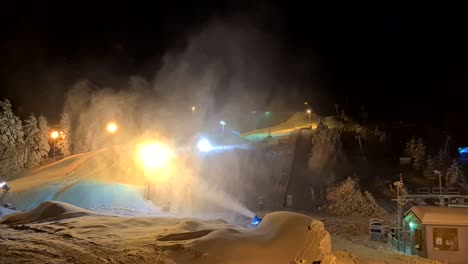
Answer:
[(255, 221), (463, 150), (204, 145)]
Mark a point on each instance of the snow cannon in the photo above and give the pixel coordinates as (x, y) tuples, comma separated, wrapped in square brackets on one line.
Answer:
[(5, 188), (255, 221)]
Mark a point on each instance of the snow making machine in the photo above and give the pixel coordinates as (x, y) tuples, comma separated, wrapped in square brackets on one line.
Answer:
[(5, 188)]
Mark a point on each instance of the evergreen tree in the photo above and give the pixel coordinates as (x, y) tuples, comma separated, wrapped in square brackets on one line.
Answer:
[(410, 147), (44, 146), (454, 175), (417, 152), (11, 140), (419, 155), (65, 140), (32, 142)]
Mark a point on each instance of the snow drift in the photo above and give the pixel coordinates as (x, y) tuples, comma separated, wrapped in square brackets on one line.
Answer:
[(282, 237), (47, 211)]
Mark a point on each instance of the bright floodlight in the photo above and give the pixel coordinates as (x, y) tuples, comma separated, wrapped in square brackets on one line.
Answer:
[(222, 122), (112, 127), (204, 145), (54, 134), (155, 155)]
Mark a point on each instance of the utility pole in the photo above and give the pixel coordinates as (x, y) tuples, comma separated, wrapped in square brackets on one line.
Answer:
[(440, 187), (400, 203)]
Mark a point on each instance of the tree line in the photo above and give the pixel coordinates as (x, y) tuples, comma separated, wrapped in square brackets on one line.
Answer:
[(26, 143)]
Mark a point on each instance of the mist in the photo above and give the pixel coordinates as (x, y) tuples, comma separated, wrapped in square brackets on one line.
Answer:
[(227, 69)]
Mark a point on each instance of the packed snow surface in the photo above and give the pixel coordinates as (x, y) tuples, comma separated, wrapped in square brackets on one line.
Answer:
[(56, 232), (280, 238)]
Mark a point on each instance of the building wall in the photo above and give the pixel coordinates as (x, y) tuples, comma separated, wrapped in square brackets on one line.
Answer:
[(411, 236), (459, 256)]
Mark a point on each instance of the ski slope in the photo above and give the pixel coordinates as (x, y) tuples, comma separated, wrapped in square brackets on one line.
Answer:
[(94, 180)]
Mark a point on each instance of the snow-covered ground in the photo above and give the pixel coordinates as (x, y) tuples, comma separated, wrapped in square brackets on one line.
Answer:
[(102, 218)]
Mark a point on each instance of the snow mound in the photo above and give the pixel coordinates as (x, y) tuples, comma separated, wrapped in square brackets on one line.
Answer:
[(46, 211), (282, 237), (5, 211), (347, 199)]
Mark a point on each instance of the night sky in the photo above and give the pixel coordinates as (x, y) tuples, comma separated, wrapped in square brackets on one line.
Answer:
[(401, 61)]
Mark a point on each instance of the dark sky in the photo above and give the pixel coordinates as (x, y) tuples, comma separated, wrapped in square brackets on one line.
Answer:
[(401, 60)]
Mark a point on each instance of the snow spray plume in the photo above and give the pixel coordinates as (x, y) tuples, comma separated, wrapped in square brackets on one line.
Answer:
[(227, 70)]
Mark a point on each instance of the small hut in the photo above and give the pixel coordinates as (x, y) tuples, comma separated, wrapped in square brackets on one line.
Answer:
[(437, 233)]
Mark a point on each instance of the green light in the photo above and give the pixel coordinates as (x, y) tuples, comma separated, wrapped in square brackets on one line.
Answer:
[(267, 115), (411, 224)]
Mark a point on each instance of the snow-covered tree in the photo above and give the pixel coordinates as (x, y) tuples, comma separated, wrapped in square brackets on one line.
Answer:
[(11, 140), (417, 152), (348, 199), (65, 140), (410, 147), (44, 146), (32, 142), (454, 176), (419, 155)]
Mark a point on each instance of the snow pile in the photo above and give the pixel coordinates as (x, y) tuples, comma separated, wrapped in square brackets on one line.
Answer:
[(51, 210), (348, 200), (282, 237), (69, 234)]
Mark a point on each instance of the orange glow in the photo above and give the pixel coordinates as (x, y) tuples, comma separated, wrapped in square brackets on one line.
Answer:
[(54, 134), (112, 127)]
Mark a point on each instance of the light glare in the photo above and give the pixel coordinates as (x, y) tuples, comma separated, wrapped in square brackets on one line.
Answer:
[(155, 155), (112, 127), (204, 145), (54, 134)]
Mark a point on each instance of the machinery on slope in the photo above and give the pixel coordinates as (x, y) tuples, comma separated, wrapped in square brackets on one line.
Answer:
[(5, 188)]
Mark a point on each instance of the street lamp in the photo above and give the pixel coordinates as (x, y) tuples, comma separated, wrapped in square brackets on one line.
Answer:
[(112, 127), (222, 124), (54, 135), (193, 109), (308, 113)]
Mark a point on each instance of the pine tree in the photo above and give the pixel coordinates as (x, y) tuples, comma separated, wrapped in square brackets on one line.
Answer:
[(410, 147), (65, 140), (32, 142), (11, 140), (417, 152), (419, 155), (44, 146), (454, 175)]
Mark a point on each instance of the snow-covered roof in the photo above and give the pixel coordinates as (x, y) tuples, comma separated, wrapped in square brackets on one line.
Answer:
[(434, 215)]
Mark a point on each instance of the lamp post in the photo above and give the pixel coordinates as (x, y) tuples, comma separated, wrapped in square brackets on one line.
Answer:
[(54, 135), (193, 109), (222, 125)]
